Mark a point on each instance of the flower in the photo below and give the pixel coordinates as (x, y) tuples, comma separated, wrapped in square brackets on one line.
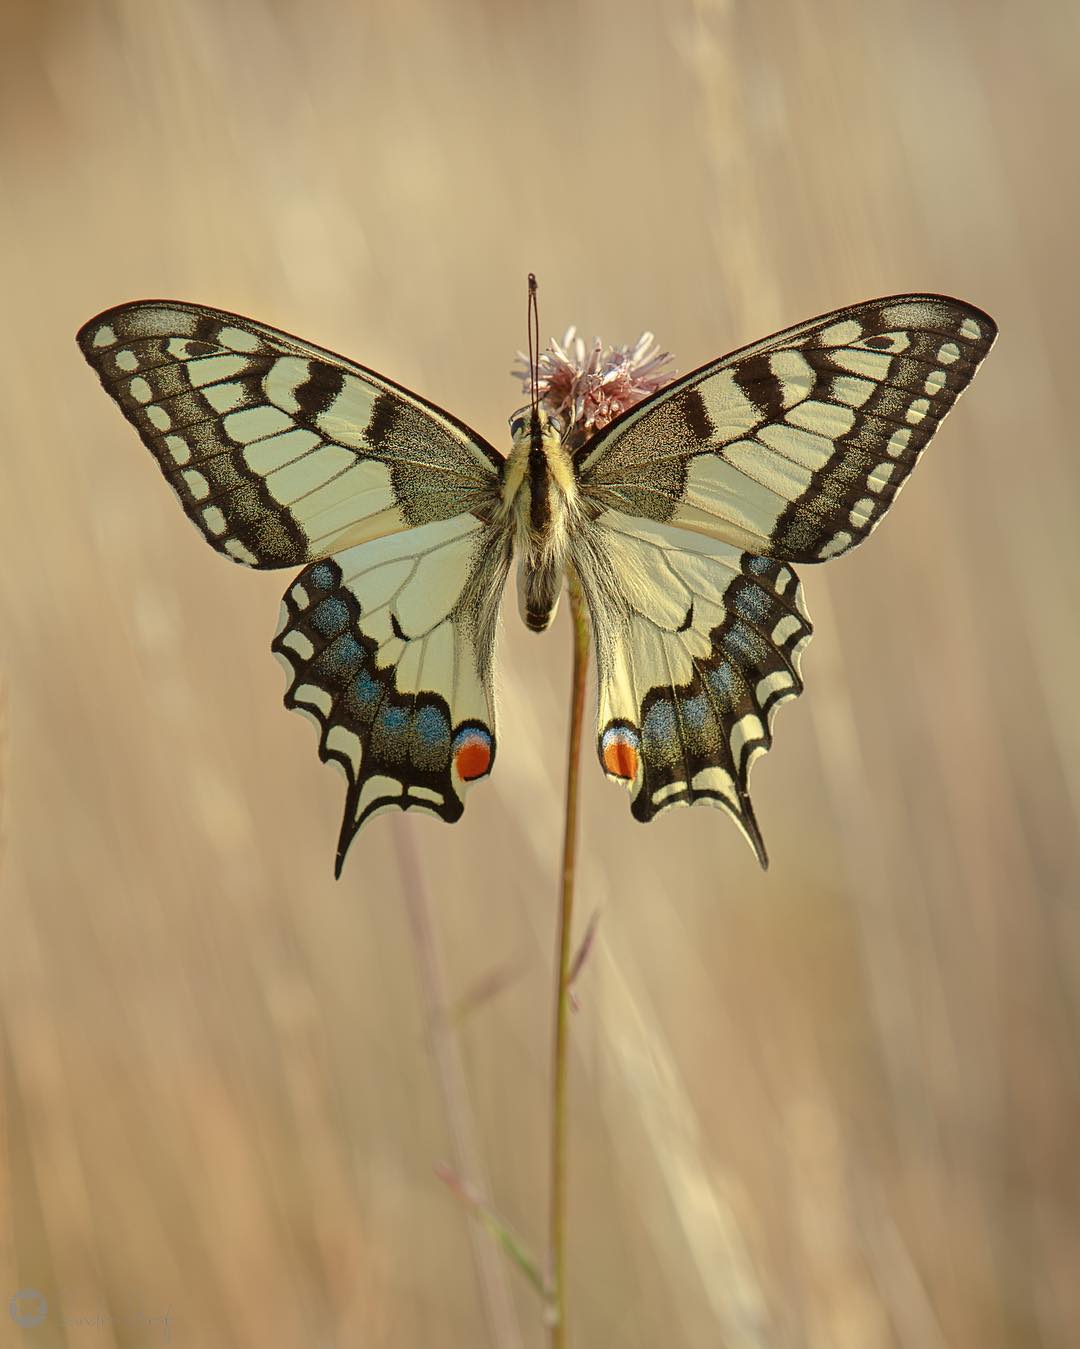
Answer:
[(587, 389)]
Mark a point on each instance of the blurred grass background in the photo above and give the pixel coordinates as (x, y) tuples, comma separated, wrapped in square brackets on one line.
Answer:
[(836, 1105)]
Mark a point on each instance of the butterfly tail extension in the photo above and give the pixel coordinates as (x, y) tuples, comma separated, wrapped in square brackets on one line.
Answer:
[(388, 651), (697, 645)]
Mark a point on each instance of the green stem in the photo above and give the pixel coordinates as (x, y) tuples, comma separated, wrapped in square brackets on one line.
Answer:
[(560, 1053)]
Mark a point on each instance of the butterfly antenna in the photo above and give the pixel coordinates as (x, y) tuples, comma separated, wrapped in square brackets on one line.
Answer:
[(533, 320)]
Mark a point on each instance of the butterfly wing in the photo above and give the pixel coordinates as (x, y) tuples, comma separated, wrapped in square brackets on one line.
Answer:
[(794, 447), (388, 648), (281, 452), (697, 644)]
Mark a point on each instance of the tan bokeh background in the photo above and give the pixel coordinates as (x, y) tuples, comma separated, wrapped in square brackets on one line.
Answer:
[(833, 1105)]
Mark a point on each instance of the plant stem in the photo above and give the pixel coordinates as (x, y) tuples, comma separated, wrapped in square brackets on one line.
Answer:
[(495, 1296), (560, 1053)]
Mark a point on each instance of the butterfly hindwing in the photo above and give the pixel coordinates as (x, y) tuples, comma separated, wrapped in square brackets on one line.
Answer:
[(697, 643), (795, 447), (388, 648), (279, 451)]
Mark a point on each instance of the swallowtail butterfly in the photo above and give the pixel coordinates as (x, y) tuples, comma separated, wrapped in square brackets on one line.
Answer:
[(681, 520)]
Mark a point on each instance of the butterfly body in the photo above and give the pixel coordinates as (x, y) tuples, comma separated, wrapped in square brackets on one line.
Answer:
[(540, 496), (680, 519)]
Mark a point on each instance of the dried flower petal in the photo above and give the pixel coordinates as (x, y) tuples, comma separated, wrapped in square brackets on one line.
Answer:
[(586, 388)]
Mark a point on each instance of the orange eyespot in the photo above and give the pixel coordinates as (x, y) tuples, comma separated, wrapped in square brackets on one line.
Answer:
[(619, 753), (472, 758)]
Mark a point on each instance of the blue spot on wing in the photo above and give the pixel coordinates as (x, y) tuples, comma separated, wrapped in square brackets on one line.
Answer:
[(724, 682), (659, 733), (345, 650), (321, 576), (694, 712), (754, 603), (330, 616), (366, 689), (744, 645), (432, 728), (393, 719)]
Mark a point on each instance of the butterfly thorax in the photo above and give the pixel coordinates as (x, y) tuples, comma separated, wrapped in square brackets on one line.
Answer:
[(540, 497)]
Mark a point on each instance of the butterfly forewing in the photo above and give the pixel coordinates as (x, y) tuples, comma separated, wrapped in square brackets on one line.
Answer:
[(279, 451), (697, 644), (795, 447)]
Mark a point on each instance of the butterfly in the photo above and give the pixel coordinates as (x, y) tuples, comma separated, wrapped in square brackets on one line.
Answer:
[(680, 519)]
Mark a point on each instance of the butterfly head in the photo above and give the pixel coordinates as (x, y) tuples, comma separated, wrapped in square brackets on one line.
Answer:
[(534, 425)]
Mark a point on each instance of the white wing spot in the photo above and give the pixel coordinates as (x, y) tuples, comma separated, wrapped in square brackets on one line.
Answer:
[(854, 392), (300, 597), (861, 512), (793, 373), (283, 379), (880, 476), (127, 360), (140, 390), (104, 337), (242, 553), (157, 416), (714, 780), (213, 369), (215, 519), (841, 334), (238, 339), (949, 352), (313, 696), (178, 448), (898, 442), (296, 641), (969, 328), (196, 484), (787, 627), (343, 741), (917, 411), (375, 788), (935, 382), (859, 361), (224, 397), (836, 544), (771, 685)]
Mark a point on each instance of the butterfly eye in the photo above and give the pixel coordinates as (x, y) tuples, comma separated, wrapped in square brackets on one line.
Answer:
[(517, 425)]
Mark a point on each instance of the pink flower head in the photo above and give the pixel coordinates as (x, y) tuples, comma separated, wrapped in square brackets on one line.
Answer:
[(587, 389)]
